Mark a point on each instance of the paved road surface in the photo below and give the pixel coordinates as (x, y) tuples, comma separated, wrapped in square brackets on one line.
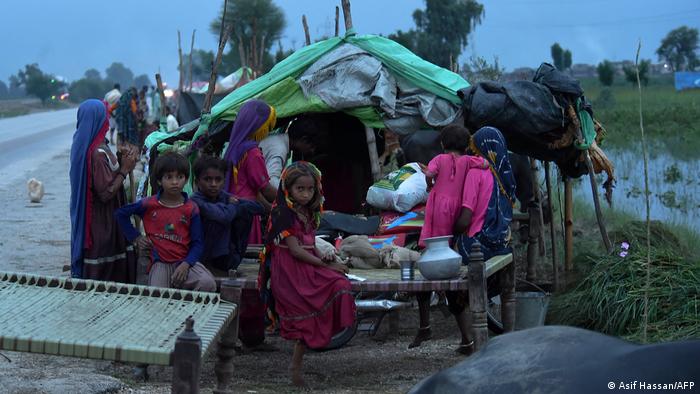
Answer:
[(28, 141)]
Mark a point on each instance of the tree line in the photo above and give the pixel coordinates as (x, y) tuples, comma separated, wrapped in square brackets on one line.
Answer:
[(440, 35)]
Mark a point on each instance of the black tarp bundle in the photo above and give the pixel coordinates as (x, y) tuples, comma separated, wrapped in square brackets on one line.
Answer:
[(189, 105), (530, 114)]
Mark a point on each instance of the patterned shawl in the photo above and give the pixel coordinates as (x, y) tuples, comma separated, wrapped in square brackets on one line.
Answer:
[(489, 143)]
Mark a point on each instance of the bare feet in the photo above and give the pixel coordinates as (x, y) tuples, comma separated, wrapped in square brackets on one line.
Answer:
[(466, 348), (424, 334), (297, 378)]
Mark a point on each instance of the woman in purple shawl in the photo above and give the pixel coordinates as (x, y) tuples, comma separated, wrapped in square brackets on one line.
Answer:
[(98, 248), (247, 176)]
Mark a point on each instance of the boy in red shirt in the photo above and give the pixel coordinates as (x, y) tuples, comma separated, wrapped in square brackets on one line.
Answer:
[(173, 229)]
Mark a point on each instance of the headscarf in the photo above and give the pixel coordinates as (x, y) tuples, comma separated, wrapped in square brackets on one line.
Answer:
[(489, 143), (93, 124), (255, 119), (285, 210)]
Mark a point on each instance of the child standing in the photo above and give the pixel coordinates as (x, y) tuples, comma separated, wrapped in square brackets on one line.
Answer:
[(226, 220), (312, 297), (448, 171), (173, 229)]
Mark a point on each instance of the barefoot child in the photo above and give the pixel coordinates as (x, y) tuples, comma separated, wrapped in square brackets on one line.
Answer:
[(312, 297), (173, 229), (226, 220), (448, 171)]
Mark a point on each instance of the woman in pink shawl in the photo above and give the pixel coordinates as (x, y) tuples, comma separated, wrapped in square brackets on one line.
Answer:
[(247, 176)]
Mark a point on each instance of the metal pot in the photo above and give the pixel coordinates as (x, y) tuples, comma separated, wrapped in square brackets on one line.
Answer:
[(438, 260)]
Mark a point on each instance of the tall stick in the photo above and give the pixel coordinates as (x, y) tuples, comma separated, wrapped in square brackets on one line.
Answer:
[(206, 107), (161, 93), (646, 198), (536, 192), (191, 50), (346, 14), (307, 36), (373, 156), (552, 232), (568, 224), (224, 33), (337, 17), (182, 72), (596, 203)]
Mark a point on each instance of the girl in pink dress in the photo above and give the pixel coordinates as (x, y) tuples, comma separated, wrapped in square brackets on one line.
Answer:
[(447, 171), (247, 176), (312, 297)]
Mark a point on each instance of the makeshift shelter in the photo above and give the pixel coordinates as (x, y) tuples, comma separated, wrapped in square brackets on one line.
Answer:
[(356, 86)]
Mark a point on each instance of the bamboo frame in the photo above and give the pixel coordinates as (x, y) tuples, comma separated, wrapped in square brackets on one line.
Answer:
[(373, 155), (307, 36)]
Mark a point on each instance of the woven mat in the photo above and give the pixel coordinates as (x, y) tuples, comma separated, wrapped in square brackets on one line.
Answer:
[(103, 320)]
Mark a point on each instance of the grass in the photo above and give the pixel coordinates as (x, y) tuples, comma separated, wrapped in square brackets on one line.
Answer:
[(607, 294), (670, 117)]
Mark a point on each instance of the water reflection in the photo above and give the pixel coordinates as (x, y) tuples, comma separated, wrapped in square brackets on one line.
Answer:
[(674, 185)]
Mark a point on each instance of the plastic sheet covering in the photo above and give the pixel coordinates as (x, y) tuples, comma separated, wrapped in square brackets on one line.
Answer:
[(349, 77)]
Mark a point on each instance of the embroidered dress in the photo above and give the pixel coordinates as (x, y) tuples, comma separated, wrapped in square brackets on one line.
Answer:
[(313, 303)]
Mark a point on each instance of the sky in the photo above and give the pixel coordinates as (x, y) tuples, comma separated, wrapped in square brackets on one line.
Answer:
[(68, 37)]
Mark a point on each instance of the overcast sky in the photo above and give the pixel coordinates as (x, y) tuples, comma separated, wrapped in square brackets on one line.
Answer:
[(67, 37)]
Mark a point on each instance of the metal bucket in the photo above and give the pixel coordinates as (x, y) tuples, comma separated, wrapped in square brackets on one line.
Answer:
[(530, 308)]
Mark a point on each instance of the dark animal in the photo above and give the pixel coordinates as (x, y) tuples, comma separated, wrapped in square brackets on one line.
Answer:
[(558, 359)]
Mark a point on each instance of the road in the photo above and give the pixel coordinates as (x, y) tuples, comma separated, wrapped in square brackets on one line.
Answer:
[(30, 140)]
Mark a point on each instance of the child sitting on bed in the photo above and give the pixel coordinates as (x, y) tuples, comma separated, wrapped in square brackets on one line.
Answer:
[(173, 229)]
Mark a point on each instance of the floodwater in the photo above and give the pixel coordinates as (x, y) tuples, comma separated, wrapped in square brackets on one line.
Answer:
[(674, 185)]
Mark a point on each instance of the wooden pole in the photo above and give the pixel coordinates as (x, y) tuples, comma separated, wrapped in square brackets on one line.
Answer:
[(191, 50), (596, 203), (307, 36), (161, 93), (568, 224), (346, 14), (206, 107), (538, 196), (182, 72), (552, 232), (337, 17), (373, 156)]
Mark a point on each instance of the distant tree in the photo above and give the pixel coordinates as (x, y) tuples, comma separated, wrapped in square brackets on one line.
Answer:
[(257, 24), (16, 88), (478, 70), (87, 88), (201, 64), (281, 54), (38, 84), (4, 90), (93, 74), (631, 73), (142, 80), (679, 48), (606, 73), (442, 30), (557, 56), (119, 73), (567, 59)]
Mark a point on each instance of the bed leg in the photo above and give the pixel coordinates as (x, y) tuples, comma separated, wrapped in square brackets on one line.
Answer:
[(507, 279), (230, 291), (477, 295), (187, 361)]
